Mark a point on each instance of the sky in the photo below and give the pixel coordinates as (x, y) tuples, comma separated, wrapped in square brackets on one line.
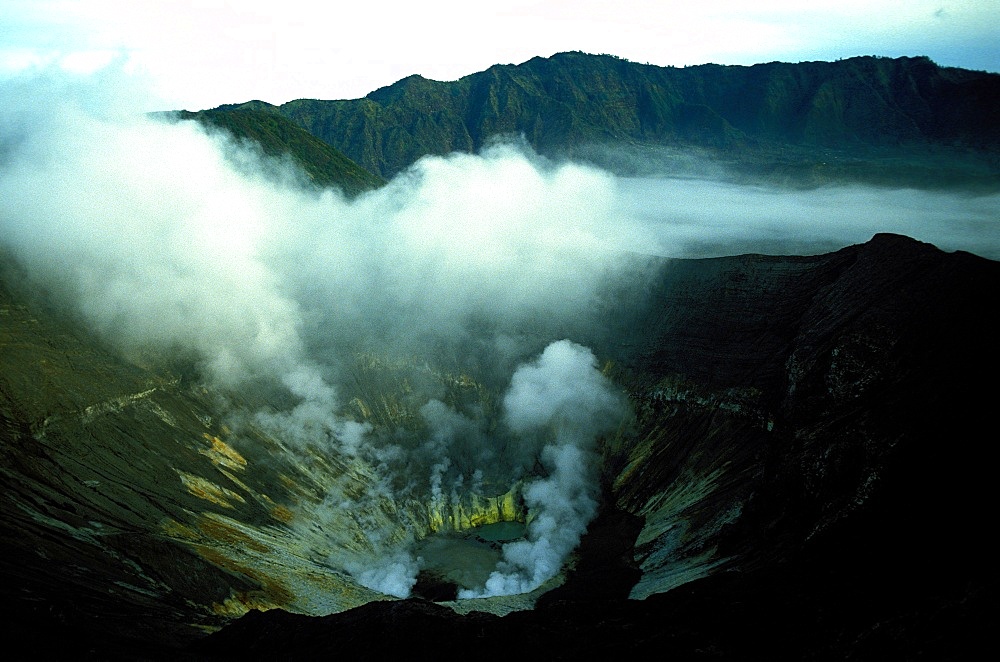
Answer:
[(197, 54)]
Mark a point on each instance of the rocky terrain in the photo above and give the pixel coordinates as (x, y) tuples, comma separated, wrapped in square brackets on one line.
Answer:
[(808, 475)]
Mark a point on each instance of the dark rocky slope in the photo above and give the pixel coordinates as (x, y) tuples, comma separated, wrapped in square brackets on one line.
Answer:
[(809, 477), (841, 397)]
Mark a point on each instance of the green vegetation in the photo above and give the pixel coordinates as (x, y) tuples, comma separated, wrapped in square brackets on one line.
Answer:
[(902, 121), (277, 136)]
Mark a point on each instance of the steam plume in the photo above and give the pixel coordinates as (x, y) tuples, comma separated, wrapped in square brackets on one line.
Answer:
[(169, 241), (564, 402)]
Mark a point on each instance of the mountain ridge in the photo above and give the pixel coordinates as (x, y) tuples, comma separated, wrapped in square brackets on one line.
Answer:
[(812, 121), (323, 164)]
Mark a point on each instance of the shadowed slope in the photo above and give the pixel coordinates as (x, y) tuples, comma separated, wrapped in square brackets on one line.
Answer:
[(809, 478), (805, 478)]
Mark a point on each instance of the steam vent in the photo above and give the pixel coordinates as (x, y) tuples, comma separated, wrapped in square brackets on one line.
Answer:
[(739, 457)]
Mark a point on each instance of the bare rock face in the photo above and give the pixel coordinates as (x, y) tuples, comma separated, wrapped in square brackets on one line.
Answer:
[(807, 476)]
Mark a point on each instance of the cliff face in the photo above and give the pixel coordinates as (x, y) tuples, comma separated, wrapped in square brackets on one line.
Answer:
[(796, 395), (805, 476)]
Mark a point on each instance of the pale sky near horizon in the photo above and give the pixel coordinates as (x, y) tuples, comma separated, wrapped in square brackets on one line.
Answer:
[(197, 54)]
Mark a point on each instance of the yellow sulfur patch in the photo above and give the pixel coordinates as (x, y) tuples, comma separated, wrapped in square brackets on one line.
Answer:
[(223, 454), (204, 489)]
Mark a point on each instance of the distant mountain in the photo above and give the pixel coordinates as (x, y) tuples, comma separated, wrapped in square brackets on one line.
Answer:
[(882, 120), (277, 136)]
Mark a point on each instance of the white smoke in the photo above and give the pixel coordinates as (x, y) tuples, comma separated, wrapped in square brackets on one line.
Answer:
[(314, 421), (393, 573), (145, 230), (563, 504), (564, 402), (171, 242), (556, 408)]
